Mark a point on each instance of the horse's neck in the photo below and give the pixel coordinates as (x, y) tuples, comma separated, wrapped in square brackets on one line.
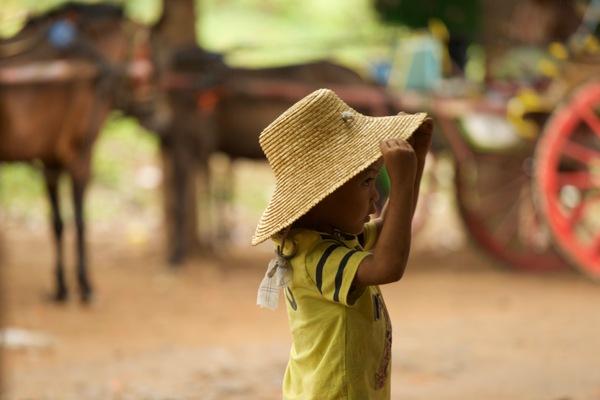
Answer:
[(28, 44), (32, 44), (30, 58)]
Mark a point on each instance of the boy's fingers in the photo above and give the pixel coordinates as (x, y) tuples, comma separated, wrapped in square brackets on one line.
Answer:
[(403, 144), (389, 145)]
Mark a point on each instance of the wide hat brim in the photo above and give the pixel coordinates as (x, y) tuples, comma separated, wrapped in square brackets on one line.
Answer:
[(350, 146)]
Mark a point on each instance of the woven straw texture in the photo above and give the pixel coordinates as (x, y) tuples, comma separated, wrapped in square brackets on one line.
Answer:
[(315, 147)]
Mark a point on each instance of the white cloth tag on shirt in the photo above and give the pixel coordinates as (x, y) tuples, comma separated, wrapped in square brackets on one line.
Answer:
[(276, 278)]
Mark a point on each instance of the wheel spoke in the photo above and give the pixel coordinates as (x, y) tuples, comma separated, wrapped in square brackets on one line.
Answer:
[(506, 234), (498, 200), (582, 179), (581, 153), (590, 117), (576, 214), (595, 246), (507, 188), (507, 226)]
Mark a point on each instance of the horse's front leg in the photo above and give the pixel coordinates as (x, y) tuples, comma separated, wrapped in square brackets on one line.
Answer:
[(224, 201), (51, 177), (180, 185), (79, 187)]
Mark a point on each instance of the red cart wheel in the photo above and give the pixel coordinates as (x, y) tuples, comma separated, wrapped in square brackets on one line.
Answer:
[(568, 178), (493, 193)]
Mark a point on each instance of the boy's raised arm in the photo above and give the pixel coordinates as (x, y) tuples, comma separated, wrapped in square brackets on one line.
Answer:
[(390, 254), (420, 143)]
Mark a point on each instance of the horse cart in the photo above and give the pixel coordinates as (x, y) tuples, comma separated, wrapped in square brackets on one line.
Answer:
[(527, 200), (526, 152), (528, 197)]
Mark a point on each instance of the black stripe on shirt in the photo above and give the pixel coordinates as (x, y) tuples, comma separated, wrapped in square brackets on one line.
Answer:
[(321, 264), (346, 236), (361, 239), (327, 236), (340, 275)]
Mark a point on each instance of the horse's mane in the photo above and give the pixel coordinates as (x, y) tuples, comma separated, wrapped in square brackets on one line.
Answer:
[(86, 10)]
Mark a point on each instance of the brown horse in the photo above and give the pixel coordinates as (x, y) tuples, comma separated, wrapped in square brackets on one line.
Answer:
[(252, 98), (58, 78), (220, 109)]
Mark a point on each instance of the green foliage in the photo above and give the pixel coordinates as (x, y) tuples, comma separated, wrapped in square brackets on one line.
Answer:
[(269, 32), (21, 190), (13, 13), (259, 32), (123, 145), (122, 149)]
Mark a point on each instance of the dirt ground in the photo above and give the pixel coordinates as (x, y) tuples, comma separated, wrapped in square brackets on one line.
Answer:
[(464, 328)]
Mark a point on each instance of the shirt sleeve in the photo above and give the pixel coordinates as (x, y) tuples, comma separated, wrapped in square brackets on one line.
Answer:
[(332, 267), (369, 236)]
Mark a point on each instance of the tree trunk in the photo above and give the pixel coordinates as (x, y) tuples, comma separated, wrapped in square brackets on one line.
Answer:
[(175, 31)]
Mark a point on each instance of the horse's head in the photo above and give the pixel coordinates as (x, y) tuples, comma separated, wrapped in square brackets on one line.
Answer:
[(163, 77), (140, 93), (121, 48), (95, 32)]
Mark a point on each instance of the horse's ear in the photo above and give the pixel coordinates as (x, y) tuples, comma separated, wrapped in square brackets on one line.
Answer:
[(160, 22), (72, 16)]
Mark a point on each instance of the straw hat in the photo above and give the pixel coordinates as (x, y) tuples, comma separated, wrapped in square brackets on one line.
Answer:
[(315, 147)]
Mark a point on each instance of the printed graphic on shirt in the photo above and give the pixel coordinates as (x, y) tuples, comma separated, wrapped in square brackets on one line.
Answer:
[(377, 307), (381, 374), (290, 298)]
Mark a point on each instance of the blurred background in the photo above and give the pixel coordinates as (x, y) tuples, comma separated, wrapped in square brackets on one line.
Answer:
[(131, 182)]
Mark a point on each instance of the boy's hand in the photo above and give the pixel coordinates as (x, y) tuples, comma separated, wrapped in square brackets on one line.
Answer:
[(399, 159), (390, 254), (420, 142)]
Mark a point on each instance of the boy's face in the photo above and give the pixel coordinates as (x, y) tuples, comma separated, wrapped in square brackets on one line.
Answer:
[(349, 207)]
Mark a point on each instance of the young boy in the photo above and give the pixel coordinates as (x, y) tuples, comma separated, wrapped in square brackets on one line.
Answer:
[(330, 256)]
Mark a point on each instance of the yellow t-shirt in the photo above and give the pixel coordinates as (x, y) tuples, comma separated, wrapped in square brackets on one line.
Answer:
[(341, 339)]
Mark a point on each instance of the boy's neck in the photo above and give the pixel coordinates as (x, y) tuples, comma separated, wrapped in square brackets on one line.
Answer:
[(306, 222)]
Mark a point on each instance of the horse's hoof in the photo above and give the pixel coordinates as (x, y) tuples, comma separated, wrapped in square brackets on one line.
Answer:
[(87, 299), (207, 248), (176, 259), (61, 296), (85, 294)]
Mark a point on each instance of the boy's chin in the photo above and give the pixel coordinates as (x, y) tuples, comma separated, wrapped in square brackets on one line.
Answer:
[(359, 229)]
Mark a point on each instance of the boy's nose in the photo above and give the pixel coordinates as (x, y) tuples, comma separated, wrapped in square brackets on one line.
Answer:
[(375, 194), (373, 208)]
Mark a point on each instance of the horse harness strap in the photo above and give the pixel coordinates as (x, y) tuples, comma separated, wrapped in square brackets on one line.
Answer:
[(362, 95), (48, 72)]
